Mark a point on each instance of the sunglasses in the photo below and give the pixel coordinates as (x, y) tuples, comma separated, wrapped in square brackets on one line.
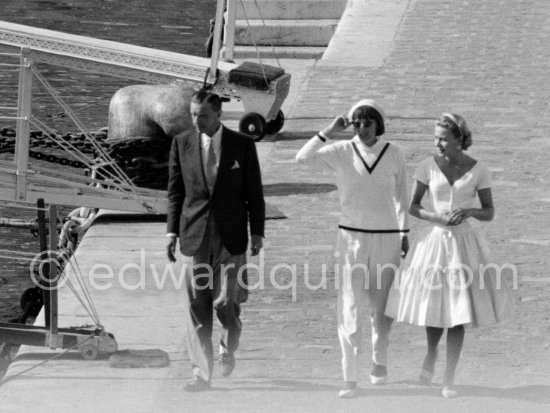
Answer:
[(365, 123)]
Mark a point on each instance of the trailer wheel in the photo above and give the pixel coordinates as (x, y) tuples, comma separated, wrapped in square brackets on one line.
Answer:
[(89, 352), (276, 124), (253, 125)]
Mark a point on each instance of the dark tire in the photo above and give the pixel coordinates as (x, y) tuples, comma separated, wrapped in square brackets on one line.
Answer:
[(253, 125), (89, 352), (276, 124)]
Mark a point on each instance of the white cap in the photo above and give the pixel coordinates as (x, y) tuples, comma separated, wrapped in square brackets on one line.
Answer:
[(367, 102)]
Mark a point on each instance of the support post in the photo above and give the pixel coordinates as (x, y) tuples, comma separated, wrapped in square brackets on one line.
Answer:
[(22, 132), (218, 23), (43, 269), (228, 51), (53, 277)]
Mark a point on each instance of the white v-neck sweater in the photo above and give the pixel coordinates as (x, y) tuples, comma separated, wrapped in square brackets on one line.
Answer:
[(374, 201)]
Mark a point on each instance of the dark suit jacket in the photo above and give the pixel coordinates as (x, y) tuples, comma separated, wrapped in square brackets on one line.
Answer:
[(237, 197)]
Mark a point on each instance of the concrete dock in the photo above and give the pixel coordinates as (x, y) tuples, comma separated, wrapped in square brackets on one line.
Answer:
[(485, 59)]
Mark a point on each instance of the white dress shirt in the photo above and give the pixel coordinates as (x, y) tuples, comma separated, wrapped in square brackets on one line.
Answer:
[(216, 141)]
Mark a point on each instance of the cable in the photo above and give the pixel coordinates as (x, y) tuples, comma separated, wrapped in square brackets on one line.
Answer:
[(269, 37), (121, 175), (91, 309), (14, 204), (5, 380), (254, 43)]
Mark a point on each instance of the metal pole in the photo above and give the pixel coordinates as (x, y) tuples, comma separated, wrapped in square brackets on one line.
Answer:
[(53, 272), (218, 23), (22, 132), (43, 240), (229, 31)]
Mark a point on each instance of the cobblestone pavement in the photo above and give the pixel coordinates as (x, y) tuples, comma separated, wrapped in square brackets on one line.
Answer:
[(488, 61)]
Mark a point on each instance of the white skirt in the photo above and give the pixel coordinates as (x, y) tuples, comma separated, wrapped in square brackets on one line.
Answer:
[(448, 279)]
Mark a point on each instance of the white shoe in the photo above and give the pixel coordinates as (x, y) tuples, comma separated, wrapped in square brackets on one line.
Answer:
[(378, 380), (347, 393), (449, 392)]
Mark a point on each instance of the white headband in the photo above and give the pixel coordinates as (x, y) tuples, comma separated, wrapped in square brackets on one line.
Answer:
[(454, 120), (367, 102)]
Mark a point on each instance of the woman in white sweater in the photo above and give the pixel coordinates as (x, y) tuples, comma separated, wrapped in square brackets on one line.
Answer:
[(372, 236)]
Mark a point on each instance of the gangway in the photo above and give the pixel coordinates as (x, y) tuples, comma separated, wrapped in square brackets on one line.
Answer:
[(262, 94)]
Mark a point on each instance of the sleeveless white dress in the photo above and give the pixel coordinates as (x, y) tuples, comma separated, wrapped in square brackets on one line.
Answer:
[(448, 277)]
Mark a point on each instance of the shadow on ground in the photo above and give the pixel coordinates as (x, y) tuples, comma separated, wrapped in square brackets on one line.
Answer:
[(301, 135), (532, 393), (536, 393), (285, 189)]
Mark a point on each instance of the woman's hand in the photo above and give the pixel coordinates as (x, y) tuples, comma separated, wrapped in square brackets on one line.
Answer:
[(444, 219), (339, 124), (457, 216)]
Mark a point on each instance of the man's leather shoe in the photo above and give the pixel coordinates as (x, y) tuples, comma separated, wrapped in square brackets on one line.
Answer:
[(227, 363), (196, 384)]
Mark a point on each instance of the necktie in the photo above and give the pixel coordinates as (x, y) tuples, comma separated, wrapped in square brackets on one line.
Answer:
[(210, 167)]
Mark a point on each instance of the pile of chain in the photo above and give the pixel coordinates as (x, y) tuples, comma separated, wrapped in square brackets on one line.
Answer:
[(145, 160)]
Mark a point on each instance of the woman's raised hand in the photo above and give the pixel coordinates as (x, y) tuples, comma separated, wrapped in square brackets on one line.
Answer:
[(339, 124)]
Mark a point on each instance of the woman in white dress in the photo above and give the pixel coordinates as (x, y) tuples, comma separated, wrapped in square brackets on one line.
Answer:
[(449, 280)]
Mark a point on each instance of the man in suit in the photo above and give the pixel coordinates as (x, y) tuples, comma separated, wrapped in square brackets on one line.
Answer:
[(214, 192)]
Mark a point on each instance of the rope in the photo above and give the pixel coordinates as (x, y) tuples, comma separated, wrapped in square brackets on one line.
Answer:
[(43, 362), (121, 175), (32, 254), (89, 162), (62, 114), (87, 303), (91, 309), (14, 257), (254, 42), (15, 204), (80, 156), (91, 313), (269, 37)]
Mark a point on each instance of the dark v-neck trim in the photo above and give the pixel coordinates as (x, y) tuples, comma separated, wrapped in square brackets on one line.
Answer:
[(371, 168), (457, 179)]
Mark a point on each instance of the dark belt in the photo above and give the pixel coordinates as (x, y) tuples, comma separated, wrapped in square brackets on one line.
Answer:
[(374, 231)]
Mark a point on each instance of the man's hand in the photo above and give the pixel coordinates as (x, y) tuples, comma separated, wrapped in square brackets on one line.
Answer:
[(256, 244), (171, 248)]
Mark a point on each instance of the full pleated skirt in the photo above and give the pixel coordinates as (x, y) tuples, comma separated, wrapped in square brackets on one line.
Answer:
[(449, 279)]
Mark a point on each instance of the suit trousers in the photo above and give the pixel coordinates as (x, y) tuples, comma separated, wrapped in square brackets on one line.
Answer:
[(367, 265), (213, 283)]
